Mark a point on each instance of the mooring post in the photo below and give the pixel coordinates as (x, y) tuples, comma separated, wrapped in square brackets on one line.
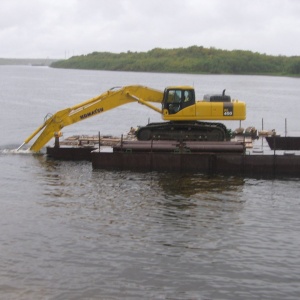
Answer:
[(262, 128), (57, 135), (274, 156), (99, 140), (56, 142), (151, 155), (285, 125)]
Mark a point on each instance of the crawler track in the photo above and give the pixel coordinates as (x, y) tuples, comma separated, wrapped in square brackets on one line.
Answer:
[(188, 131)]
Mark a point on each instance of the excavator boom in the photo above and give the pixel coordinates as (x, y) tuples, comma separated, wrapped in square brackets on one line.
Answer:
[(94, 106)]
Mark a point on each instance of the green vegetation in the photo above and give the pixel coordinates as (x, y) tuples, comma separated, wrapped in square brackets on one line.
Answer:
[(193, 59)]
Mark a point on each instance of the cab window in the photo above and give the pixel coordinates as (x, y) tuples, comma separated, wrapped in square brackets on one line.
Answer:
[(175, 100)]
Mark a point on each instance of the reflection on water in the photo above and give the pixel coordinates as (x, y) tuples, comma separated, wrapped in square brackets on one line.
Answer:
[(188, 184), (173, 188), (133, 199)]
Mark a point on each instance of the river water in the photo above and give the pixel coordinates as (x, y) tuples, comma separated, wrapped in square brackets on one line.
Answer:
[(70, 232)]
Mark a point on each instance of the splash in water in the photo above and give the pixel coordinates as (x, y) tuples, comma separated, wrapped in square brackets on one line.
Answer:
[(16, 151)]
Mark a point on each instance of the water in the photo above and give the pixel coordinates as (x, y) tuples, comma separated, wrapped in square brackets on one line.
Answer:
[(70, 232)]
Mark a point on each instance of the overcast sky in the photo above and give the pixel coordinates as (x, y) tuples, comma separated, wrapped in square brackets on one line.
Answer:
[(63, 28)]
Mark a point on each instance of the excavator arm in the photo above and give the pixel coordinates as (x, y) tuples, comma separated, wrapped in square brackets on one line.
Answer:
[(92, 107)]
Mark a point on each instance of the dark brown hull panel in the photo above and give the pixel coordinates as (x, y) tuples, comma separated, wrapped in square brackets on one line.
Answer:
[(283, 143)]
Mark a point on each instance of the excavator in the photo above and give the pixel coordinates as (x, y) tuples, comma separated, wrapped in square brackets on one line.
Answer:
[(187, 117)]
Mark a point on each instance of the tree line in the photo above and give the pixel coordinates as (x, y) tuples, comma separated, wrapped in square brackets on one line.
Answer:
[(194, 59)]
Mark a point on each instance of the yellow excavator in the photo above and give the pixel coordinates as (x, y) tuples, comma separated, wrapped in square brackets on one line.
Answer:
[(187, 116)]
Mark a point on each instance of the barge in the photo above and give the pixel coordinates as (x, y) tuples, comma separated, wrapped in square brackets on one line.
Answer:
[(204, 162), (231, 157)]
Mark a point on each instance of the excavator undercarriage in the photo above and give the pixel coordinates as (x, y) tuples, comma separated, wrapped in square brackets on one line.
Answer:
[(192, 131)]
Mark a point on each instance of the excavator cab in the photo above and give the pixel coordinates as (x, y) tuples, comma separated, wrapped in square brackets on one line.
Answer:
[(177, 98)]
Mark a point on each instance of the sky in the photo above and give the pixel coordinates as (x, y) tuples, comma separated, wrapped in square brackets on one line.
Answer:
[(64, 28)]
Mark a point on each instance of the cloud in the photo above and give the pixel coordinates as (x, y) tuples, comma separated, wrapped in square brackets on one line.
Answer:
[(55, 29)]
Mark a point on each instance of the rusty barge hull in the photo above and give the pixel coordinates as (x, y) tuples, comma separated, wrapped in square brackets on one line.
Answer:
[(210, 163), (205, 157), (283, 143), (70, 153)]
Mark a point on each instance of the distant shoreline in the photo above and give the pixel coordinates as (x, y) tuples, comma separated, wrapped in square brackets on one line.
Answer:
[(27, 61), (191, 60)]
